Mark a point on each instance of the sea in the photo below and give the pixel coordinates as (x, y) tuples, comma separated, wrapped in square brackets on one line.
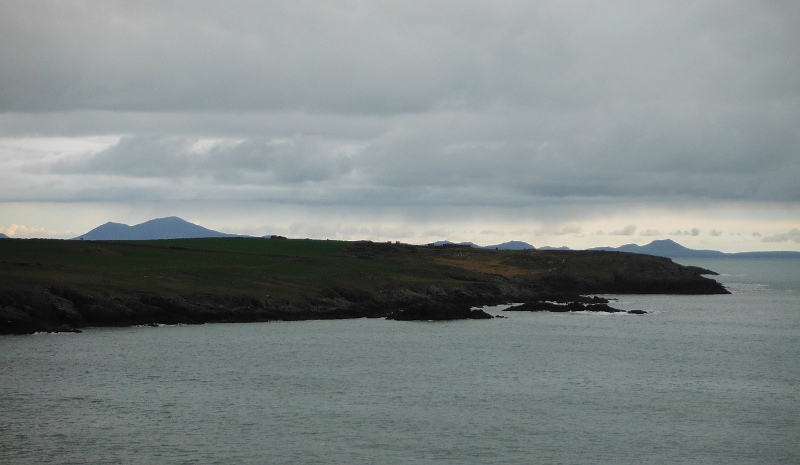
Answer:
[(697, 380)]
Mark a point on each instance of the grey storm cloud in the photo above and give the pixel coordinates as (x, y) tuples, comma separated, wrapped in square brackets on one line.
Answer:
[(345, 57), (376, 57), (463, 102), (285, 161)]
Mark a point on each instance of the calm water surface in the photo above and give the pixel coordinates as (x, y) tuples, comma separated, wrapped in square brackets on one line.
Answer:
[(701, 379)]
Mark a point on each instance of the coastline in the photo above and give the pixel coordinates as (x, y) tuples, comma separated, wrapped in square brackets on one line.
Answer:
[(343, 281)]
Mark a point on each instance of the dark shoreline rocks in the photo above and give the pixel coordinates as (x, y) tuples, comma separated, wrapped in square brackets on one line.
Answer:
[(62, 309), (569, 306)]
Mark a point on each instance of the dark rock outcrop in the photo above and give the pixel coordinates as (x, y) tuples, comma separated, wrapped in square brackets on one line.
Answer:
[(568, 306), (702, 271), (59, 309), (438, 312)]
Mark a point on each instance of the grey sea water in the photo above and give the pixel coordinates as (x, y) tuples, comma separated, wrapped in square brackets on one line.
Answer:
[(701, 379)]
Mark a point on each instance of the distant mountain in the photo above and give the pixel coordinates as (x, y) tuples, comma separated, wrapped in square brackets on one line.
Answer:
[(511, 245), (671, 249), (663, 248), (161, 228), (3, 236)]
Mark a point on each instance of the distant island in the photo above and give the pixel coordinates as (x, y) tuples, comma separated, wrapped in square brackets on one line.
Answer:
[(658, 248), (670, 248)]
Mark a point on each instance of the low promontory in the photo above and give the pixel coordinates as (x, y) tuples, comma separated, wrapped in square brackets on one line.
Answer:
[(57, 285)]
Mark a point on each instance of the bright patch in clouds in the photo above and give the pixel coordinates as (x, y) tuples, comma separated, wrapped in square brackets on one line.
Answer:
[(20, 230)]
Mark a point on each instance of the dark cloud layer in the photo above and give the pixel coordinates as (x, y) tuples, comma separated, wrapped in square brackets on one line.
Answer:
[(501, 170), (369, 57), (302, 159), (463, 103)]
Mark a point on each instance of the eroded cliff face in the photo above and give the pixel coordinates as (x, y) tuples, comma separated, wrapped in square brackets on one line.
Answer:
[(58, 308)]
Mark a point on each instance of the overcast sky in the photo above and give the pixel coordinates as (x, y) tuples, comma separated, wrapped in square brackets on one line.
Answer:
[(557, 123)]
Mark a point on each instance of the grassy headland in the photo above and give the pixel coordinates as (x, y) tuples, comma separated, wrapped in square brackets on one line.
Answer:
[(56, 284)]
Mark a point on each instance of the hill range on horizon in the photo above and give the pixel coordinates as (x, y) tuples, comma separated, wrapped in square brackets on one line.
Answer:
[(510, 245), (671, 249), (170, 227), (174, 227)]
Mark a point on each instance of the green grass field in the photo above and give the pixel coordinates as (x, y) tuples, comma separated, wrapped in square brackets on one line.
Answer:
[(259, 268)]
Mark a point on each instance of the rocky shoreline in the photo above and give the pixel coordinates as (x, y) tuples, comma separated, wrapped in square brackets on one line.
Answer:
[(60, 309)]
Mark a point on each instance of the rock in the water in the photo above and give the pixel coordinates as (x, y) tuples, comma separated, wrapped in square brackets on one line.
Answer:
[(437, 312), (534, 306), (602, 308), (567, 305)]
